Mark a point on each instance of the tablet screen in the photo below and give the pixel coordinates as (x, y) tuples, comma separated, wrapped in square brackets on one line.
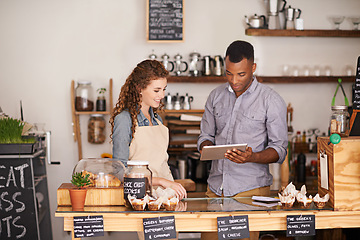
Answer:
[(217, 151)]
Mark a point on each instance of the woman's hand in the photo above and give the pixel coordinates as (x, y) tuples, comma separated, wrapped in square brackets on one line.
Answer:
[(180, 191)]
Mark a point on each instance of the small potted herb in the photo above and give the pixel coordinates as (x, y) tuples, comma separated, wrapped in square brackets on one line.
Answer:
[(11, 139), (101, 101), (78, 193)]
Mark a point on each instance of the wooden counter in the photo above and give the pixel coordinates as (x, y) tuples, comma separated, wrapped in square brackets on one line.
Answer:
[(260, 218)]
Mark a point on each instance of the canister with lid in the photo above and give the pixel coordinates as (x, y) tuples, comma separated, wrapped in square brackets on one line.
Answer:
[(339, 122), (96, 129), (137, 180), (84, 100)]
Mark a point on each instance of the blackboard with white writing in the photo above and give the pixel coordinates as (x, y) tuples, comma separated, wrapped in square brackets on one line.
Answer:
[(165, 20), (88, 226), (233, 227), (134, 187), (159, 228), (17, 201), (300, 225), (356, 97)]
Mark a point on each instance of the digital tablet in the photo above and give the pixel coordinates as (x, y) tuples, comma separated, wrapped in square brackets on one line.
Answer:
[(217, 151)]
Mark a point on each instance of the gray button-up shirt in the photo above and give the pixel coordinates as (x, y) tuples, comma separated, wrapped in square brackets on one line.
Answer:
[(257, 117)]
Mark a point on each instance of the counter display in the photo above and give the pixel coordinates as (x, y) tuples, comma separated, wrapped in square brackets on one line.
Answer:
[(200, 215)]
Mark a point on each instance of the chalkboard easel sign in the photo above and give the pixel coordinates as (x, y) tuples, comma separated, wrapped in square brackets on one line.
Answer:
[(165, 21)]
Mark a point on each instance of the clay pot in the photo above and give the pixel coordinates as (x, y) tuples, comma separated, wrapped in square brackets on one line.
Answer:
[(77, 197)]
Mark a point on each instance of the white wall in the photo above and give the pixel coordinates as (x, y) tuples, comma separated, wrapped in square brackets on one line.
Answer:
[(45, 44)]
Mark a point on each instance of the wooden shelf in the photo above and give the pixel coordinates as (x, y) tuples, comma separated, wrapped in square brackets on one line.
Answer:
[(75, 114), (301, 33), (202, 79), (91, 112), (264, 79)]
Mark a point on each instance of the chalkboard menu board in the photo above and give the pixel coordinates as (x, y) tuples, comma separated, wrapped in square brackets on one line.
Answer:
[(356, 97), (17, 204), (165, 20)]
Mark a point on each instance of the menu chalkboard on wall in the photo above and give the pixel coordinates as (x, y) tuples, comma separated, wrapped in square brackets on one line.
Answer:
[(17, 209), (165, 20)]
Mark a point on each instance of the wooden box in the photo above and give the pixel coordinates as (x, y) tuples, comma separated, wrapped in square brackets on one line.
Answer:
[(343, 172), (95, 196)]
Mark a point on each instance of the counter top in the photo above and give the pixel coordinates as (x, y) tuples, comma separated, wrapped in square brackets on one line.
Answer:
[(201, 214)]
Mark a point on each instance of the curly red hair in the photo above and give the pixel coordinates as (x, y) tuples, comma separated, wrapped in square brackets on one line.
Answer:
[(129, 97)]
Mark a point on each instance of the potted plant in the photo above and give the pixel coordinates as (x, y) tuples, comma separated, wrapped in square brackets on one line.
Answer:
[(101, 101), (11, 138), (78, 193)]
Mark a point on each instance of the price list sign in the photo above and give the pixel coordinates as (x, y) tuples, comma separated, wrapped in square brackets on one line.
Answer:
[(233, 227), (89, 226), (356, 97), (300, 225), (165, 20), (159, 228)]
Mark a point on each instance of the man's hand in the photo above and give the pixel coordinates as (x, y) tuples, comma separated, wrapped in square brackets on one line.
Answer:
[(238, 156), (269, 155), (205, 143)]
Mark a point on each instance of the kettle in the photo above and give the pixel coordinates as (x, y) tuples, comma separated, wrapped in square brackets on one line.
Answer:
[(194, 68), (290, 16), (152, 56), (167, 63), (218, 66), (256, 21), (207, 65), (178, 63), (168, 102), (187, 100)]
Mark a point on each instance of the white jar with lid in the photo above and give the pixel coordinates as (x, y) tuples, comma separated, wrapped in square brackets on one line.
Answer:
[(340, 120), (137, 179), (84, 100)]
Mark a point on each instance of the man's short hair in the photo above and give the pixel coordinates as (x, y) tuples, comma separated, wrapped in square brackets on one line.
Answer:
[(238, 50)]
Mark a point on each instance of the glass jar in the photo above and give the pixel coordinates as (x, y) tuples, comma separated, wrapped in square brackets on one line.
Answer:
[(137, 180), (101, 103), (84, 97), (96, 129), (104, 172), (340, 120)]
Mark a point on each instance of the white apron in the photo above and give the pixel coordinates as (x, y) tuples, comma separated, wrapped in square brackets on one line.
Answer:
[(150, 144)]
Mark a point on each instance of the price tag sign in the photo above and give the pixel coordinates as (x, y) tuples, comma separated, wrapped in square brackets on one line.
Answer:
[(233, 227), (159, 228), (300, 225), (134, 186), (89, 226)]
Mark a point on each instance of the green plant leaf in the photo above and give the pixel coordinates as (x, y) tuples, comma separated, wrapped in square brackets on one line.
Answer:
[(80, 180)]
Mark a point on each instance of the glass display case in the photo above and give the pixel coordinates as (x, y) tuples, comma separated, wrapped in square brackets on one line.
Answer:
[(104, 172)]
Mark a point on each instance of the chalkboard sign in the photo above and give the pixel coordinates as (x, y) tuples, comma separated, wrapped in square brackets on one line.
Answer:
[(356, 92), (300, 225), (89, 226), (134, 186), (159, 228), (17, 201), (165, 20), (233, 227)]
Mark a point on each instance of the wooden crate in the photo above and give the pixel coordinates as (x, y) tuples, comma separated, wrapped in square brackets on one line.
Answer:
[(95, 196), (343, 172)]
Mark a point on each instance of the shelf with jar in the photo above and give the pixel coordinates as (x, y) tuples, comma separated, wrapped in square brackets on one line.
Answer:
[(82, 103), (302, 33), (264, 79)]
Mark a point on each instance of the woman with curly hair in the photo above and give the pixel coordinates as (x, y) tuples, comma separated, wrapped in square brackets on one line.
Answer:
[(137, 130)]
